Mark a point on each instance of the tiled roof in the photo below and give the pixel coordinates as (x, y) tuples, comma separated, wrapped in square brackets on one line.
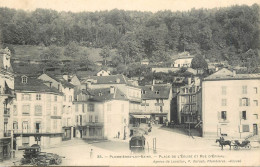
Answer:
[(104, 94), (33, 85), (62, 80), (111, 79), (225, 74), (158, 92)]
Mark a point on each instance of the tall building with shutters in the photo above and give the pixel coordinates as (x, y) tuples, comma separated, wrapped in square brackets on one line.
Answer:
[(37, 113), (6, 103), (230, 104)]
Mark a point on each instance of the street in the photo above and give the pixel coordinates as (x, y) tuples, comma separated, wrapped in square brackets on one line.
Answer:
[(173, 147)]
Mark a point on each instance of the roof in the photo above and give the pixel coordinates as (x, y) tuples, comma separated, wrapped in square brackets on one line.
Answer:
[(225, 74), (61, 80), (33, 85), (162, 89), (104, 94), (111, 79)]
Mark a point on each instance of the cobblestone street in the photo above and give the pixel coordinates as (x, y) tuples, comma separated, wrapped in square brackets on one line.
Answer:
[(170, 143)]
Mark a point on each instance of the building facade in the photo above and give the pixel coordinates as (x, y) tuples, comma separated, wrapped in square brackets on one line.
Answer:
[(62, 84), (156, 103), (230, 104), (189, 102), (6, 103), (101, 113), (36, 113)]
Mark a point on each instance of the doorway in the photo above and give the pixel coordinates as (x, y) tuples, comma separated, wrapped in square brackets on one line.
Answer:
[(255, 129)]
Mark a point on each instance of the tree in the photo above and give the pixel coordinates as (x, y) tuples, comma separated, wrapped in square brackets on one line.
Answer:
[(50, 53), (198, 62), (105, 53), (71, 50)]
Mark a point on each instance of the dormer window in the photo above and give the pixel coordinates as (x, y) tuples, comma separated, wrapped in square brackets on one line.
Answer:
[(157, 92), (24, 79), (100, 94), (143, 91)]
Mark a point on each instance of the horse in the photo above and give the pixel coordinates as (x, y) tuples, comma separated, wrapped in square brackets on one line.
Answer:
[(223, 142)]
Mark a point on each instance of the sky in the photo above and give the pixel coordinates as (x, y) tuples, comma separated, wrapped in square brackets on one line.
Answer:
[(139, 5)]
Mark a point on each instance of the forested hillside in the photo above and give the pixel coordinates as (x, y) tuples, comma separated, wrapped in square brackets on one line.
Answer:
[(230, 34)]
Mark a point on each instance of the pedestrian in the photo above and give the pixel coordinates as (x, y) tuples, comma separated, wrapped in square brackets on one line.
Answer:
[(91, 153), (118, 135)]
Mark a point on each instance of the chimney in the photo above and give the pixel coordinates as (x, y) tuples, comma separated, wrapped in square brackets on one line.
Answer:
[(234, 73), (112, 89), (189, 81)]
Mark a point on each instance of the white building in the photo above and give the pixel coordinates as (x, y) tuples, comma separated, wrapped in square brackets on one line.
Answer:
[(230, 104), (68, 117), (103, 73), (37, 113)]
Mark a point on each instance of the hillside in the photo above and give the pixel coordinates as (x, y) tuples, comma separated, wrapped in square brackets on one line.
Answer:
[(31, 52)]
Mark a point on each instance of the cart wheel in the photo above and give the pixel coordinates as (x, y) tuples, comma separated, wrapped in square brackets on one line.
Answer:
[(236, 147), (248, 146), (58, 161)]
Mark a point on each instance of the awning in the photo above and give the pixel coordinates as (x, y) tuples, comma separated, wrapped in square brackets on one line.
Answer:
[(141, 116)]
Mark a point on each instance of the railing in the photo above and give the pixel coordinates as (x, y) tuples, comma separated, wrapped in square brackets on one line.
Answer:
[(7, 112), (144, 104), (16, 131), (7, 133)]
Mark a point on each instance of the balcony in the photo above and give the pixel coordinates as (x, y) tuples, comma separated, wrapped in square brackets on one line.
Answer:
[(7, 133), (7, 112), (144, 104), (159, 104), (7, 92), (37, 131)]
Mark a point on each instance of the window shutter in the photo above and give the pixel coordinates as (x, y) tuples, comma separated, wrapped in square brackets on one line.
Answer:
[(219, 115), (241, 114), (248, 101), (240, 102), (83, 119)]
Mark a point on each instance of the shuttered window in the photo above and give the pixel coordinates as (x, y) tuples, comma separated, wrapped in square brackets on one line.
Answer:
[(245, 128)]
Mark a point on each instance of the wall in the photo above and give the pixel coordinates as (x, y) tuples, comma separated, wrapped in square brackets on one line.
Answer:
[(212, 104)]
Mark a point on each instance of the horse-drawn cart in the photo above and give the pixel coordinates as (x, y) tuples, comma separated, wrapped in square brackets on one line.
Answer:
[(236, 144)]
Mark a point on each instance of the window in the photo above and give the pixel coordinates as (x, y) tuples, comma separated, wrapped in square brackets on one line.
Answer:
[(83, 109), (54, 124), (193, 98), (24, 79), (90, 118), (25, 141), (157, 92), (161, 108), (108, 107), (38, 110), (55, 110), (26, 97), (55, 98), (244, 102), (15, 125), (15, 110), (223, 115), (26, 110), (245, 128), (157, 100), (143, 92), (224, 102), (25, 126), (256, 102), (244, 89), (256, 116), (38, 97), (223, 90), (243, 115), (96, 118), (255, 90)]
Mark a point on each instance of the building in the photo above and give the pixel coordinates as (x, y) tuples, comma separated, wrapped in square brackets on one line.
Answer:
[(6, 100), (103, 73), (182, 60), (230, 104), (156, 104), (124, 84), (68, 117), (145, 62), (36, 113), (189, 102), (101, 113)]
